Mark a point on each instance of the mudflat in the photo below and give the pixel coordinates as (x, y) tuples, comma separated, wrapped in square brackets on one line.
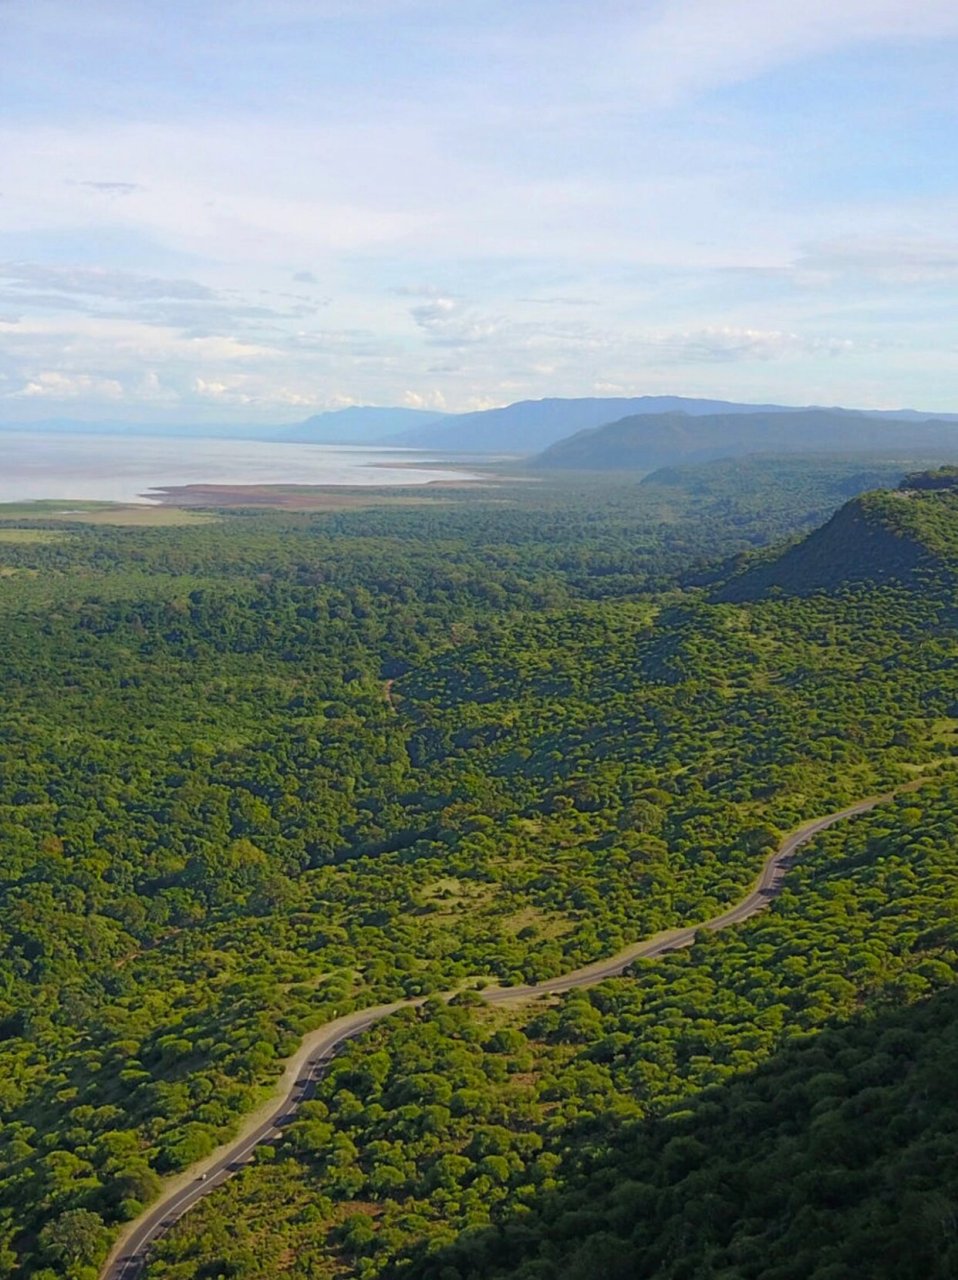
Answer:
[(291, 497)]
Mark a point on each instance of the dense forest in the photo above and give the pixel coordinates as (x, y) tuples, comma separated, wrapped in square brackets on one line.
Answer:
[(777, 1102), (259, 771)]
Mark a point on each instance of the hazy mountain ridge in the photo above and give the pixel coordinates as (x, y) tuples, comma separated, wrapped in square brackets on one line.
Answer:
[(355, 425), (525, 427), (530, 425), (533, 425), (645, 442), (359, 424)]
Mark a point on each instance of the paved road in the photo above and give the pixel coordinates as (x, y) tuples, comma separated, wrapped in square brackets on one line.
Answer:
[(306, 1066)]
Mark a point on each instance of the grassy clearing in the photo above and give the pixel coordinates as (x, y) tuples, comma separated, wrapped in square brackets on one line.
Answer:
[(142, 517), (448, 897), (944, 730), (48, 506), (99, 513), (447, 887), (545, 926), (32, 535)]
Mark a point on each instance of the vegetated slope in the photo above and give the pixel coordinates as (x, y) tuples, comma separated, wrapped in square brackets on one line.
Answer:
[(750, 479), (529, 425), (898, 536), (644, 442)]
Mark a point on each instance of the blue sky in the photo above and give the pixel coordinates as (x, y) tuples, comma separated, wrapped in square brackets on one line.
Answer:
[(257, 211)]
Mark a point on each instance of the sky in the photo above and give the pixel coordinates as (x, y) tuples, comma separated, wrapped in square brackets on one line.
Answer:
[(258, 210)]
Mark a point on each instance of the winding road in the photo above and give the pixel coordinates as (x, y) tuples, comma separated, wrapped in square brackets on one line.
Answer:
[(305, 1068)]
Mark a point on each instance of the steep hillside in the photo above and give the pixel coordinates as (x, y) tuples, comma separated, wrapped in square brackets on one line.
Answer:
[(886, 536), (644, 442)]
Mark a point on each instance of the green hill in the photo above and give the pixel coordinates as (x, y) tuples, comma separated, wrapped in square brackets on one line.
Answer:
[(888, 536), (644, 442)]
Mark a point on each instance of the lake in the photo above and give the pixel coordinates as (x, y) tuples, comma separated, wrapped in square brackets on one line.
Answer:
[(126, 469)]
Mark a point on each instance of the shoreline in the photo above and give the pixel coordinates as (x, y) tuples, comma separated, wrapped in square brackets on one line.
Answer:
[(316, 497)]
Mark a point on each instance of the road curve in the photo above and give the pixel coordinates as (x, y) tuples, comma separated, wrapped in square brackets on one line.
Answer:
[(306, 1066)]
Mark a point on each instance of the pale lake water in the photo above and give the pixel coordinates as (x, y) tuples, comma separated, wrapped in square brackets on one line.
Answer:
[(126, 469)]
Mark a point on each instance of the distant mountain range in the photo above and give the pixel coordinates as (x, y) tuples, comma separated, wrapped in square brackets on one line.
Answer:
[(643, 442), (527, 426), (532, 426), (361, 424), (356, 425)]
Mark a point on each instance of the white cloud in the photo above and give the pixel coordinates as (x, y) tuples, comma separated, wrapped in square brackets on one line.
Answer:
[(420, 291), (211, 389), (435, 314), (112, 188), (252, 188), (260, 391), (893, 260), (53, 385), (695, 45), (150, 388), (433, 399), (100, 282), (449, 322), (603, 221), (730, 344)]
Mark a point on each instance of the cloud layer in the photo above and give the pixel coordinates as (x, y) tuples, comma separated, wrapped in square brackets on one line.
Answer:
[(259, 209)]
